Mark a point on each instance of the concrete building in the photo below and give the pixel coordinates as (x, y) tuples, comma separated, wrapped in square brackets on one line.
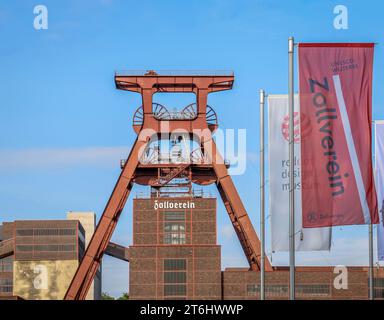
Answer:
[(88, 221), (38, 258)]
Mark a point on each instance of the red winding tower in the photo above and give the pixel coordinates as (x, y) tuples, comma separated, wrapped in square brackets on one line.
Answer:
[(205, 165)]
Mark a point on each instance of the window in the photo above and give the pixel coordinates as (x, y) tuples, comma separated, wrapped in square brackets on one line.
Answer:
[(174, 216), (253, 290), (24, 248), (175, 290), (175, 264), (55, 247), (67, 232), (24, 232), (47, 247), (282, 290), (313, 290), (174, 227), (46, 232), (174, 233), (379, 293), (378, 284), (6, 264), (271, 290), (175, 278), (6, 285)]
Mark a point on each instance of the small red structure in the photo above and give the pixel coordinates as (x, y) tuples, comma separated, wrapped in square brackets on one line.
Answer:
[(204, 166)]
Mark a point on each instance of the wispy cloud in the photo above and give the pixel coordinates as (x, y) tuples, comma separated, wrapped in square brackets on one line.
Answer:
[(65, 157)]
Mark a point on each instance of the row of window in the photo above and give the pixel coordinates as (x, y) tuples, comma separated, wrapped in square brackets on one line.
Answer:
[(6, 289), (47, 247), (174, 227), (174, 232), (45, 232), (282, 290), (174, 216), (379, 293), (377, 282), (6, 267), (175, 278), (6, 282)]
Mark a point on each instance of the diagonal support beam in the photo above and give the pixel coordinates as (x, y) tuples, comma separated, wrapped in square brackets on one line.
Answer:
[(91, 261), (235, 208)]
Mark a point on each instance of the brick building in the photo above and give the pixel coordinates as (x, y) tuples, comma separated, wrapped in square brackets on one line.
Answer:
[(38, 258), (174, 253), (311, 283)]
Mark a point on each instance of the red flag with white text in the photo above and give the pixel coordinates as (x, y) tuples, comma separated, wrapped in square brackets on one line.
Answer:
[(336, 95)]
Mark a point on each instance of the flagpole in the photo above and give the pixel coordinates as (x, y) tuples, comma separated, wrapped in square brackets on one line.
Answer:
[(262, 199), (370, 244), (370, 230), (371, 291), (291, 171)]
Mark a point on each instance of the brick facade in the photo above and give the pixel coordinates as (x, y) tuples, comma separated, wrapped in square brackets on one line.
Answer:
[(170, 229), (311, 283)]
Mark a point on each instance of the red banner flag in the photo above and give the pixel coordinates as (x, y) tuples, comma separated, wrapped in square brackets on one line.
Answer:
[(336, 95)]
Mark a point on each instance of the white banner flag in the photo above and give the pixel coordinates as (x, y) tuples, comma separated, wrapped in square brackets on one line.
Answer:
[(379, 158), (309, 239)]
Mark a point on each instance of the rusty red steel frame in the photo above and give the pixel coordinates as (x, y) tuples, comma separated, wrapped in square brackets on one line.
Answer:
[(148, 124)]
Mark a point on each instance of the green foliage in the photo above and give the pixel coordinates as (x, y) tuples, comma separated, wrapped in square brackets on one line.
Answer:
[(106, 296), (124, 296)]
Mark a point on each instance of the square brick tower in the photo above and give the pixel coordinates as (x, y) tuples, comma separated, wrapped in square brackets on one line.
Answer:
[(174, 253)]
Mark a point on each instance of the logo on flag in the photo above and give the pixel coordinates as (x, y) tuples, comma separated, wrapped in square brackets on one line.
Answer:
[(298, 133)]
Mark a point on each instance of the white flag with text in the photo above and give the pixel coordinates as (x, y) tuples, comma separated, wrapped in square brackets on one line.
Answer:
[(309, 239)]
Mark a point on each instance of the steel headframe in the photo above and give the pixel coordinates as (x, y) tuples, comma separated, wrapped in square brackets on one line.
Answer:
[(150, 125)]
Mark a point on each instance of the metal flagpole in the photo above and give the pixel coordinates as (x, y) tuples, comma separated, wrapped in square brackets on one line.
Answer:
[(370, 232), (262, 198), (370, 226), (291, 172)]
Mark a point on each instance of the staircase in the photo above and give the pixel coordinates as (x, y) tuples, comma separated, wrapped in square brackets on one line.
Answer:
[(173, 173)]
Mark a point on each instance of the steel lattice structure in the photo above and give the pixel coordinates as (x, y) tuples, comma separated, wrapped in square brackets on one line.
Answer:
[(153, 120)]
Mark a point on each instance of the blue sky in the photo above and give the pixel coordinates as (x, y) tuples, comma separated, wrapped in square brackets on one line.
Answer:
[(64, 126)]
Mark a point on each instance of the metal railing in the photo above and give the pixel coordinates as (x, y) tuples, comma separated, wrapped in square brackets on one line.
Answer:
[(174, 73), (195, 193)]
